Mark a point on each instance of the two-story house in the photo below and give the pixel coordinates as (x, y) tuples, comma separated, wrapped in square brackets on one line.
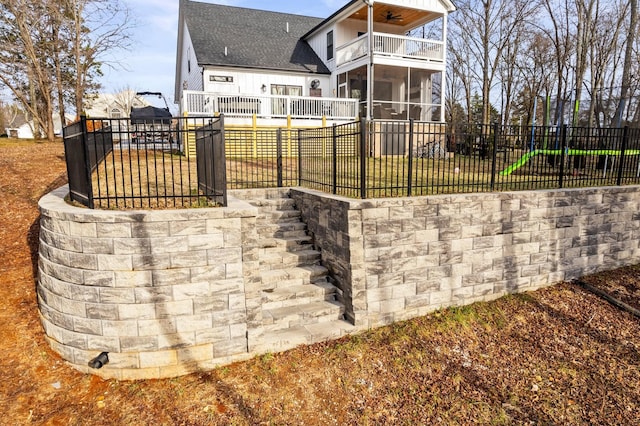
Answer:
[(368, 59)]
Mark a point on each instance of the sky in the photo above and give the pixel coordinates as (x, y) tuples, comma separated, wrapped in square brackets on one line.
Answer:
[(150, 64)]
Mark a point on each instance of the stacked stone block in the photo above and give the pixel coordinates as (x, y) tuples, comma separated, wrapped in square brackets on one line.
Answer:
[(299, 304), (170, 292), (419, 254), (163, 292)]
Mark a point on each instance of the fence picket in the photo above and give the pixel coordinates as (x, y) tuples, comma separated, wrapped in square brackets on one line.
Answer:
[(125, 165)]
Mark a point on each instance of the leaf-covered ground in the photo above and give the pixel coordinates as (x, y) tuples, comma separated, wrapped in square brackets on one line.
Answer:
[(556, 356)]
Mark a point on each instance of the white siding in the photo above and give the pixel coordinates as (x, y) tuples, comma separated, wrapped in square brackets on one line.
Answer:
[(191, 74), (319, 45), (251, 81), (348, 30)]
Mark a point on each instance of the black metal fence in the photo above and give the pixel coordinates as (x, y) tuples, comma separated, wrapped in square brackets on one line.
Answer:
[(261, 158), (118, 163), (192, 161), (407, 158), (211, 163), (331, 159), (83, 152)]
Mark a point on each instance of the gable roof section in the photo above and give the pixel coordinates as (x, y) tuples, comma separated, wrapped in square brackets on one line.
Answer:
[(252, 38)]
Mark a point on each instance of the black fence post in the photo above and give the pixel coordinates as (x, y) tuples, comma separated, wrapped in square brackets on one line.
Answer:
[(363, 158), (563, 144), (279, 156), (299, 157), (494, 154), (410, 165), (334, 159), (222, 161), (625, 140), (87, 164)]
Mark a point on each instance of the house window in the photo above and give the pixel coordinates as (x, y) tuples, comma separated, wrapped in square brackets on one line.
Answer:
[(189, 60), (330, 45), (279, 105), (116, 113), (284, 90)]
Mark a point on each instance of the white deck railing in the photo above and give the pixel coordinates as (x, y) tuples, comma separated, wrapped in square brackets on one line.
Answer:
[(391, 45), (352, 50), (268, 106)]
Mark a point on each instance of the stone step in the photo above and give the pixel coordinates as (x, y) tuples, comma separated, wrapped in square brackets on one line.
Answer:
[(278, 215), (283, 277), (278, 259), (304, 314), (298, 300), (283, 222), (298, 295), (282, 340), (297, 229), (274, 204), (295, 243)]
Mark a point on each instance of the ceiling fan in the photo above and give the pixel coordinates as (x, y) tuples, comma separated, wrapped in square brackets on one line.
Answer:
[(390, 17)]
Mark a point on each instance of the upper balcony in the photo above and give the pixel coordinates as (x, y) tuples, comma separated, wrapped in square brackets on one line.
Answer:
[(399, 31), (393, 46)]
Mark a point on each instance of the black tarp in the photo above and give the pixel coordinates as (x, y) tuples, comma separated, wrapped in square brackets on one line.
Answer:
[(150, 114)]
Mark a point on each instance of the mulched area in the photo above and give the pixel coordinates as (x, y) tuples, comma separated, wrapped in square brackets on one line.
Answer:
[(556, 356), (620, 284)]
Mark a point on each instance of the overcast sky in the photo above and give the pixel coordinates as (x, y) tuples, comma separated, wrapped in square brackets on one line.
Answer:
[(150, 65)]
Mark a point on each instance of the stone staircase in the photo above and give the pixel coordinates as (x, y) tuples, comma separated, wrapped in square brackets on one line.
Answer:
[(300, 305)]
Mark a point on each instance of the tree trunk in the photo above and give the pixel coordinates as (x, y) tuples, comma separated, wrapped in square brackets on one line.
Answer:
[(628, 57)]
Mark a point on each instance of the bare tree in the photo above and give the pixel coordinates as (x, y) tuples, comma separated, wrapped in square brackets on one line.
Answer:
[(126, 98), (488, 28), (460, 80), (97, 27), (628, 58), (510, 77), (605, 57), (559, 33), (52, 50), (10, 113), (585, 29), (537, 76), (24, 67)]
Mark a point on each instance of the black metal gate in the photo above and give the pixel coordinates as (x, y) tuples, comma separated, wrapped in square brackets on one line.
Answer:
[(83, 152), (212, 175)]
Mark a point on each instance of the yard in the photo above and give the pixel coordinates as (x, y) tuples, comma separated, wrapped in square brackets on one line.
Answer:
[(135, 178), (555, 356)]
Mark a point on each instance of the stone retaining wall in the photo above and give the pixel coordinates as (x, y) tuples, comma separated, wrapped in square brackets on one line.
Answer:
[(399, 258), (162, 292), (176, 291)]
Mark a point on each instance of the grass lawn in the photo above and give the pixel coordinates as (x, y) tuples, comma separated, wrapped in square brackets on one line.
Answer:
[(132, 178)]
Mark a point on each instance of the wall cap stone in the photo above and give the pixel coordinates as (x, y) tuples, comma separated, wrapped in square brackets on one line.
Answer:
[(54, 205)]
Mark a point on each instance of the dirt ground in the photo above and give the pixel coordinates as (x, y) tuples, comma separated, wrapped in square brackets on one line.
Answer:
[(556, 356)]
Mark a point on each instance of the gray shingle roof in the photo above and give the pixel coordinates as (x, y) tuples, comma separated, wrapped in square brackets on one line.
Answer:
[(253, 38)]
